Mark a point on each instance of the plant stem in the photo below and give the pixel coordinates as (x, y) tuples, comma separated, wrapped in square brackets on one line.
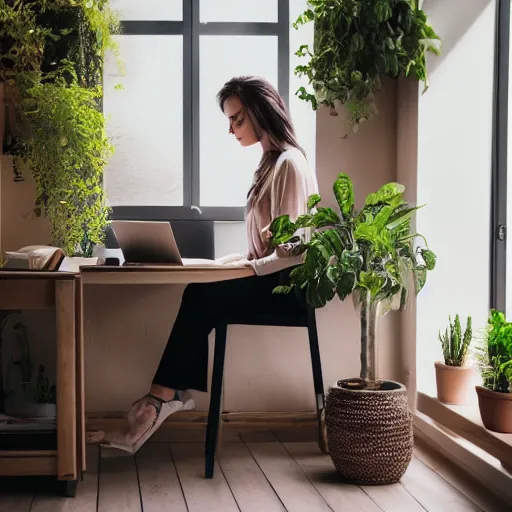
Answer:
[(364, 338), (368, 345), (371, 345)]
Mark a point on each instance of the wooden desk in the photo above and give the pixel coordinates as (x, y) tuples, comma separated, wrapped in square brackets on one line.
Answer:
[(160, 274), (61, 291)]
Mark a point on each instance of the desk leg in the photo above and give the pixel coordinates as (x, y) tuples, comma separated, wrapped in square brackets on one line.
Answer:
[(80, 376), (66, 380)]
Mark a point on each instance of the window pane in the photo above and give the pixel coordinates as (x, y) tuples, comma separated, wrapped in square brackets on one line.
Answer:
[(146, 122), (238, 11), (148, 10), (226, 167)]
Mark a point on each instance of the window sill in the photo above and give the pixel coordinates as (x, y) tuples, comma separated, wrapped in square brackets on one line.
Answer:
[(490, 482), (465, 421)]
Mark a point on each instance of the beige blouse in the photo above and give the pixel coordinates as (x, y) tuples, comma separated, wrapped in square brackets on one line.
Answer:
[(287, 191)]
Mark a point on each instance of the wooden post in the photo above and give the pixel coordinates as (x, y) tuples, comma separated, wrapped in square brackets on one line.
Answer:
[(66, 383), (80, 376)]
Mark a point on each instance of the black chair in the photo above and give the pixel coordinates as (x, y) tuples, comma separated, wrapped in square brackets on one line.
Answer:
[(301, 318)]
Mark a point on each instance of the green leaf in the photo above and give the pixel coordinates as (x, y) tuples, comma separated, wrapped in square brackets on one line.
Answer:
[(401, 217), (345, 286), (429, 258), (331, 238), (312, 296), (325, 217), (313, 200), (386, 194), (282, 229), (344, 193), (420, 277), (333, 273), (371, 281), (351, 261), (304, 221), (282, 290)]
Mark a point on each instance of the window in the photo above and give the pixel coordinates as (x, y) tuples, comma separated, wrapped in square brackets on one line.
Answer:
[(174, 158)]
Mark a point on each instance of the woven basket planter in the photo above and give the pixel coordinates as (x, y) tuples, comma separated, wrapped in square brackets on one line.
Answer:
[(369, 433)]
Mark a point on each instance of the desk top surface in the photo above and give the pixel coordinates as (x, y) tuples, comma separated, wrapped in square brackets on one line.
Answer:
[(35, 274), (144, 274), (162, 274)]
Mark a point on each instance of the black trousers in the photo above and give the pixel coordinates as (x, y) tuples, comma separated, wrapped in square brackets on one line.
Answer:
[(184, 363)]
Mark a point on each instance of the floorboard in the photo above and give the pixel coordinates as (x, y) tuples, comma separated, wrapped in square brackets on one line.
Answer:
[(433, 492), (287, 478), (159, 483), (320, 470), (248, 484), (256, 471), (466, 484), (202, 495), (119, 486), (47, 500), (392, 498)]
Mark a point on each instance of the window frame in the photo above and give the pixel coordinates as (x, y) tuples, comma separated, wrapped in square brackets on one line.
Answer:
[(498, 232), (191, 29)]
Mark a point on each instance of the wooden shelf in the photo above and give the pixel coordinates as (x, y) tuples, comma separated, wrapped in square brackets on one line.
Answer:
[(28, 462), (466, 422), (28, 453)]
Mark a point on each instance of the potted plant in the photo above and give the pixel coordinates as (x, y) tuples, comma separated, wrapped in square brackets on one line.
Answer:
[(45, 396), (453, 377), (495, 396), (52, 64), (371, 255), (356, 44)]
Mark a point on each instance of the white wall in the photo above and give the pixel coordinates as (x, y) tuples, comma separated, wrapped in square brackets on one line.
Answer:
[(454, 173)]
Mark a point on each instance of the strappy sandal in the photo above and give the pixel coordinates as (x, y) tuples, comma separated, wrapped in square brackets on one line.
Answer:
[(163, 410)]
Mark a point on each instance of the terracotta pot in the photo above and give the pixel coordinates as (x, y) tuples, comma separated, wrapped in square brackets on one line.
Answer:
[(454, 383), (495, 410)]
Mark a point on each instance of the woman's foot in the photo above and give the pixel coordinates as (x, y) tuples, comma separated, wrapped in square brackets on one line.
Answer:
[(144, 419)]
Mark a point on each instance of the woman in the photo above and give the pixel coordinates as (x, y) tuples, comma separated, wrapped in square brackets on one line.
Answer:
[(282, 184)]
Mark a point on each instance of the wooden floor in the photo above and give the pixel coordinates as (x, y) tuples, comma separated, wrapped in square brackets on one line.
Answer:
[(256, 472)]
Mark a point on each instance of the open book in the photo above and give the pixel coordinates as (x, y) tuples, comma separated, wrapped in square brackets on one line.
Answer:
[(35, 257)]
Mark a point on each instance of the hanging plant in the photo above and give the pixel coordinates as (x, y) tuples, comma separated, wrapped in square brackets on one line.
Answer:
[(356, 43), (51, 58)]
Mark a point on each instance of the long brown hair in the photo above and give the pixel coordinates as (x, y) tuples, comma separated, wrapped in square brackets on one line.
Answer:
[(268, 113)]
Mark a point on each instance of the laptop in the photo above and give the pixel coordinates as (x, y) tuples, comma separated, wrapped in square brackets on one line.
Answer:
[(147, 242)]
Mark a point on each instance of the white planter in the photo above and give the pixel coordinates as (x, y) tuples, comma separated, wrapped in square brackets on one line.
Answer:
[(73, 263), (42, 410)]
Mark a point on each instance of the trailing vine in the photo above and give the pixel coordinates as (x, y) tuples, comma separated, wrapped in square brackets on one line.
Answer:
[(356, 43), (51, 59)]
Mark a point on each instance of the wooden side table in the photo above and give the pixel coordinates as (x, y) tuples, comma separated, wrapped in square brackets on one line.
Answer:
[(22, 290)]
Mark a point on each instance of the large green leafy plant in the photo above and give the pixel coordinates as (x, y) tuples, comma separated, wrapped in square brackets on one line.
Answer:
[(356, 43), (369, 253), (495, 356), (51, 59)]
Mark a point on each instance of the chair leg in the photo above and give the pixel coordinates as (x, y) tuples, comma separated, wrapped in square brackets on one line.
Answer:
[(317, 379), (215, 399)]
